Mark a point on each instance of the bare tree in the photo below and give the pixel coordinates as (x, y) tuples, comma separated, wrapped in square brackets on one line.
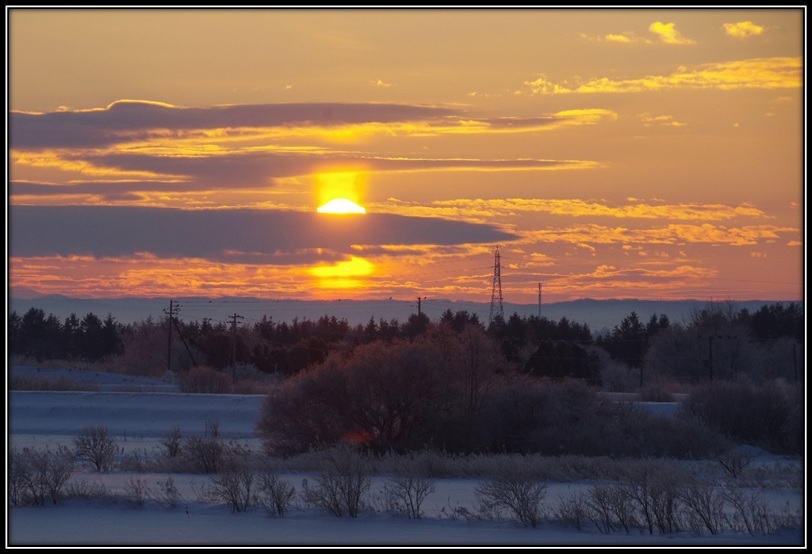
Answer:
[(340, 489), (515, 491), (705, 506), (233, 486), (96, 446), (276, 493), (205, 454), (599, 509), (407, 489), (750, 512), (572, 510), (35, 475), (652, 486)]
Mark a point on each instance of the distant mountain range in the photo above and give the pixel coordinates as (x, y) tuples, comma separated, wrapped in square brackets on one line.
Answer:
[(599, 315)]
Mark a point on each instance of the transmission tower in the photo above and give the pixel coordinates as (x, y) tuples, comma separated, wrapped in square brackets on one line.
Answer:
[(496, 294)]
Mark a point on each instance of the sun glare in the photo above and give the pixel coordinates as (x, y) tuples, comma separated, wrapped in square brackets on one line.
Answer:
[(340, 192), (341, 206)]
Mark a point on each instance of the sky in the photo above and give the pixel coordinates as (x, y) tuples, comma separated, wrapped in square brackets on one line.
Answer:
[(602, 153), (137, 421)]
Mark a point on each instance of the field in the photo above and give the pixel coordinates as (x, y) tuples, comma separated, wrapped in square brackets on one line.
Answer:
[(138, 412)]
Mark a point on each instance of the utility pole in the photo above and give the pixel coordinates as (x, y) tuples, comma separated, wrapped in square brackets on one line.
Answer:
[(539, 300), (173, 309), (710, 351), (419, 306), (234, 341)]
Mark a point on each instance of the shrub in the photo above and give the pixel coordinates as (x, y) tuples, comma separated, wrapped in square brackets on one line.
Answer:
[(341, 487), (276, 494), (655, 392), (23, 382), (652, 486), (735, 460), (35, 475), (96, 446), (571, 510), (515, 492), (137, 489), (83, 489), (406, 490), (233, 486), (769, 415), (396, 396), (167, 494), (600, 502), (705, 506), (172, 441), (204, 454), (204, 380)]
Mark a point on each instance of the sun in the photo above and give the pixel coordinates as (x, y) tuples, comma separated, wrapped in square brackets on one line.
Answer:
[(340, 191), (341, 206)]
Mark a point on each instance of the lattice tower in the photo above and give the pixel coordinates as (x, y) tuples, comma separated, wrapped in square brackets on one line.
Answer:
[(496, 294)]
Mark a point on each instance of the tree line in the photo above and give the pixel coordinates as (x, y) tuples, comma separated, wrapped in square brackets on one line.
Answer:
[(718, 342), (517, 385)]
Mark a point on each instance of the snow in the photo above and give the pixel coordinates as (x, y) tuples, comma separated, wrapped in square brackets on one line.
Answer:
[(139, 419)]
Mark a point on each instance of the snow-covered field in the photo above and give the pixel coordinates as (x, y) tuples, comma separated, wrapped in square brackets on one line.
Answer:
[(139, 419)]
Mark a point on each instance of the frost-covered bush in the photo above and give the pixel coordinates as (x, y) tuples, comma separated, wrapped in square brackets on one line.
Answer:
[(36, 475), (407, 488), (341, 487), (274, 493), (204, 380), (514, 490), (769, 415), (233, 486)]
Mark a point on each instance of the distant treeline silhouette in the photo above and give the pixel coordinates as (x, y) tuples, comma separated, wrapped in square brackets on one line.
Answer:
[(718, 342)]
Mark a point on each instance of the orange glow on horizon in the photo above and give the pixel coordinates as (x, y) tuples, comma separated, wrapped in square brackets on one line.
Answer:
[(354, 267), (343, 275)]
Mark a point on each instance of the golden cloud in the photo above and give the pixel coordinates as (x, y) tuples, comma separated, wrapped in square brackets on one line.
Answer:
[(487, 209), (660, 121), (757, 73), (52, 159), (742, 29), (668, 33), (618, 38), (669, 234)]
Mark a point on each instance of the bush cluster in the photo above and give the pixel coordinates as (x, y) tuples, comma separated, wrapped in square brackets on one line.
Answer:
[(769, 415), (409, 397), (648, 495)]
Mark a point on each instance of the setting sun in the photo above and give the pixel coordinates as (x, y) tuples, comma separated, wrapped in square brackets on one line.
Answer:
[(341, 206)]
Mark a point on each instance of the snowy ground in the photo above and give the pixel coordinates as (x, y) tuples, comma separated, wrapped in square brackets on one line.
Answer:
[(139, 419)]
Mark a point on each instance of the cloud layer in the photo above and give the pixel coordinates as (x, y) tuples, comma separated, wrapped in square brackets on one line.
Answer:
[(243, 236)]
